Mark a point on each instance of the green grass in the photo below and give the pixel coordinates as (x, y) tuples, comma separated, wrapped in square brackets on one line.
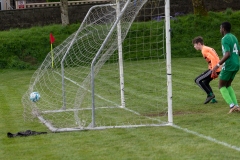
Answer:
[(133, 143)]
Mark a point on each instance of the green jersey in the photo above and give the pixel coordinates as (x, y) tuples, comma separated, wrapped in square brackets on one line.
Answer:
[(230, 44)]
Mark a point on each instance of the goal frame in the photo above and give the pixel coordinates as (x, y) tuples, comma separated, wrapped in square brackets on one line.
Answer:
[(117, 25), (168, 63), (168, 58)]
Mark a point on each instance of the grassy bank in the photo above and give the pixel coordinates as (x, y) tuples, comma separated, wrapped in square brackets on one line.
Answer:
[(27, 48)]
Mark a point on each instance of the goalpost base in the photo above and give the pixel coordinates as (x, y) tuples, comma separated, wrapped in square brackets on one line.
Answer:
[(53, 129)]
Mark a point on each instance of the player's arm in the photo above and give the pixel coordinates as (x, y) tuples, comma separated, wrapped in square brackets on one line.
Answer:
[(224, 58), (238, 49), (225, 47)]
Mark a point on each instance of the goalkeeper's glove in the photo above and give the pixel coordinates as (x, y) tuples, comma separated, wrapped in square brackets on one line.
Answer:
[(214, 75)]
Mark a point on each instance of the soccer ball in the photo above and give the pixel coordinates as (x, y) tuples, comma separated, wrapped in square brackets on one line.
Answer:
[(34, 96)]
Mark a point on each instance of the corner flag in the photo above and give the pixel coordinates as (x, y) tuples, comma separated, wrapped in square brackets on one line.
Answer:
[(52, 39)]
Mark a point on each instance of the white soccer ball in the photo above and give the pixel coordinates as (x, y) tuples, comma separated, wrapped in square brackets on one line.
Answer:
[(34, 96)]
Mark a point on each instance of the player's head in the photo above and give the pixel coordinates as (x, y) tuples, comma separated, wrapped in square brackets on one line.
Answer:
[(197, 42), (225, 28)]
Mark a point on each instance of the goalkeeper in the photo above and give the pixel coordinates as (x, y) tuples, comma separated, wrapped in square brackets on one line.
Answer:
[(203, 80)]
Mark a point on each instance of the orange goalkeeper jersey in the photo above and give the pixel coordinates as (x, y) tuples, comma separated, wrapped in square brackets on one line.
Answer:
[(211, 57)]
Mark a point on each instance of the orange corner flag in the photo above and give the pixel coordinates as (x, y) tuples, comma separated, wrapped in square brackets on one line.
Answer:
[(52, 39)]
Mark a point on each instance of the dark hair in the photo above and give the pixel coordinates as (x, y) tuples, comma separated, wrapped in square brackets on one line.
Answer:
[(226, 26), (198, 39)]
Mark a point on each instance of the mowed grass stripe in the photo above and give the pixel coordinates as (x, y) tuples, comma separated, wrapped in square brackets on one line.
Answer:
[(153, 142)]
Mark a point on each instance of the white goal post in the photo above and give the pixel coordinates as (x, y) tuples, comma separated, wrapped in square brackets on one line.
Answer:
[(113, 72), (168, 58)]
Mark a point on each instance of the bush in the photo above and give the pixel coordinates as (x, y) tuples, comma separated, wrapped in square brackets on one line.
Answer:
[(27, 48)]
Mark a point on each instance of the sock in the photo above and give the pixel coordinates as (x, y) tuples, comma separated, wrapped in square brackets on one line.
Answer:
[(226, 96), (210, 94), (232, 95)]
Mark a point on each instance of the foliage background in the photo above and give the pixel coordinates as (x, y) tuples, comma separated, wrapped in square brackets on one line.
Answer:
[(27, 48)]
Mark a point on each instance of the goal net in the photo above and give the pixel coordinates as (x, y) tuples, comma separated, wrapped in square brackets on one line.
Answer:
[(111, 73)]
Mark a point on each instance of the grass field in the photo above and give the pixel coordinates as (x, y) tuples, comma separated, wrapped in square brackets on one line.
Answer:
[(199, 132)]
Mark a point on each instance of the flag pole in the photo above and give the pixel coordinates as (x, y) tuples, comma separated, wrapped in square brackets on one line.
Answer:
[(52, 53)]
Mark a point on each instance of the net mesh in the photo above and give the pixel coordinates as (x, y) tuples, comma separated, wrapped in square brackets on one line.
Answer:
[(64, 82)]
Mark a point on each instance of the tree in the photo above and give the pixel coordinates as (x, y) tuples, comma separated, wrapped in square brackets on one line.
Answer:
[(64, 12), (199, 7)]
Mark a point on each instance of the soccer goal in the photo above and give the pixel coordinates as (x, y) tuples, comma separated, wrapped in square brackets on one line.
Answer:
[(113, 72)]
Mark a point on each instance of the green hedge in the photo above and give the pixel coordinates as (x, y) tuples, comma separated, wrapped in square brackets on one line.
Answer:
[(27, 48)]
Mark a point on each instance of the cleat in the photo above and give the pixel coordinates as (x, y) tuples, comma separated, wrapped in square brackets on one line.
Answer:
[(234, 108), (214, 101), (238, 109), (209, 98)]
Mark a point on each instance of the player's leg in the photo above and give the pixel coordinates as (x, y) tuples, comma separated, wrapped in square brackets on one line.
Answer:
[(203, 81), (210, 93), (210, 88), (224, 83), (231, 90), (226, 96), (207, 81), (232, 95), (199, 81)]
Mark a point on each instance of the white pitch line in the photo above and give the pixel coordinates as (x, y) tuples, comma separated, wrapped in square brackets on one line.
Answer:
[(208, 138), (175, 126)]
